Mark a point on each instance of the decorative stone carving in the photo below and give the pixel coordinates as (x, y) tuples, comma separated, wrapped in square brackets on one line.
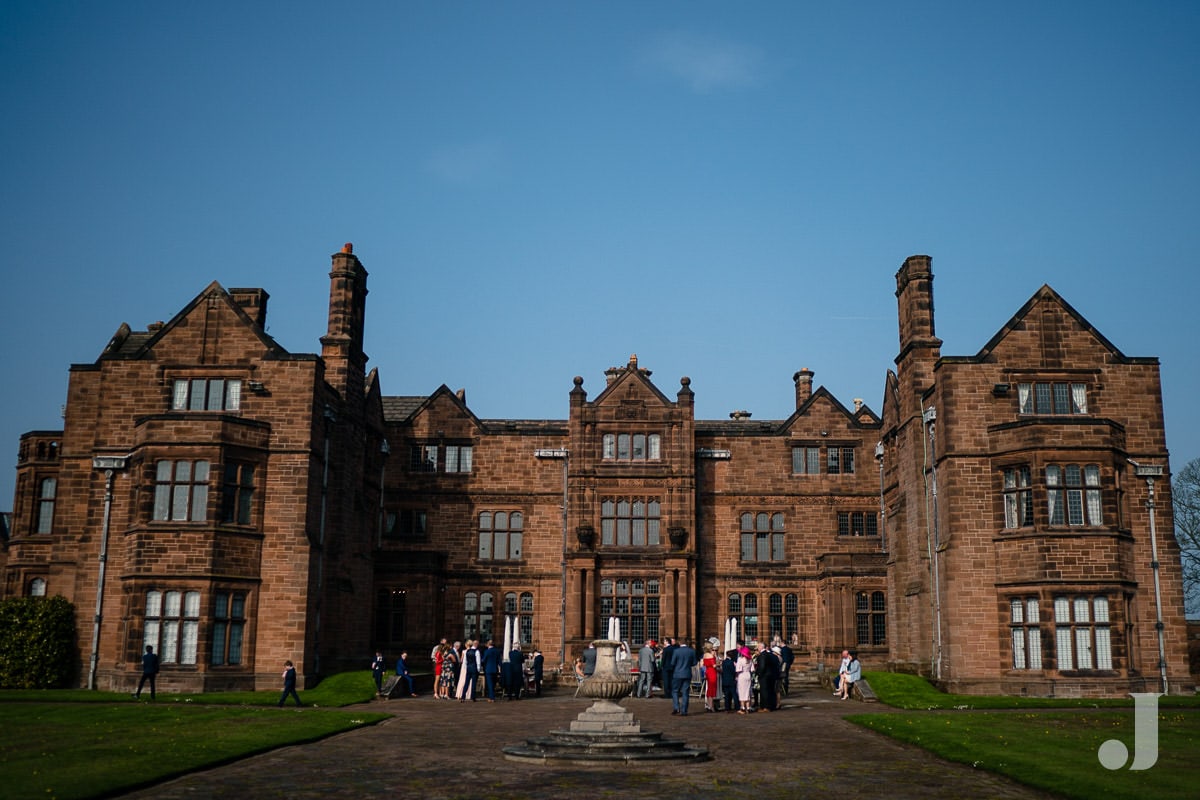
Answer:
[(678, 537), (586, 535)]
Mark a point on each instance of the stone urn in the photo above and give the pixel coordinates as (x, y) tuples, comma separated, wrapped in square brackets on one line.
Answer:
[(606, 684)]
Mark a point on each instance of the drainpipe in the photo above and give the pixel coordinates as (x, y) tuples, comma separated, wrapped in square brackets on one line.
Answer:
[(929, 417), (330, 418), (110, 464), (882, 507)]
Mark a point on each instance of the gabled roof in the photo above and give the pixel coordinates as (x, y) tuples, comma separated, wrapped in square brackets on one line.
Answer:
[(631, 373), (1046, 295), (441, 392), (822, 393), (129, 344)]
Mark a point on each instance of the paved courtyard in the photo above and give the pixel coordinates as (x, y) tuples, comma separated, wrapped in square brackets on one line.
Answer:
[(443, 749)]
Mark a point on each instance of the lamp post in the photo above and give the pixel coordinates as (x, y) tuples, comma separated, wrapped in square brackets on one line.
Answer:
[(1151, 472), (563, 455), (110, 465)]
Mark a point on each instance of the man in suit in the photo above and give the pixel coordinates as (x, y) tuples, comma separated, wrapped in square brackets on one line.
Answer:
[(668, 678), (491, 669), (645, 669), (767, 666), (682, 659), (402, 672), (149, 672), (472, 661)]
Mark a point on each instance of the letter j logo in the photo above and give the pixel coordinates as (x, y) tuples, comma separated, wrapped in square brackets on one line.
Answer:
[(1113, 753)]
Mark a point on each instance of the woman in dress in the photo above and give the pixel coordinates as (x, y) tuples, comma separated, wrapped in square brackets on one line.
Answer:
[(449, 673), (709, 662), (439, 655), (745, 680)]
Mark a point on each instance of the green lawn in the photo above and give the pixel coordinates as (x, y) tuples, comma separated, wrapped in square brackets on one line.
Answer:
[(80, 744), (1054, 750)]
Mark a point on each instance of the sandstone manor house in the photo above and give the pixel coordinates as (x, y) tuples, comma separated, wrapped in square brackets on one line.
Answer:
[(999, 521)]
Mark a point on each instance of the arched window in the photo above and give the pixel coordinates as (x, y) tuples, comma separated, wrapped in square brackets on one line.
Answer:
[(478, 614), (37, 587)]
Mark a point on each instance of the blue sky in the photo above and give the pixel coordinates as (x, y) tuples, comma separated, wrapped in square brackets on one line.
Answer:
[(539, 190)]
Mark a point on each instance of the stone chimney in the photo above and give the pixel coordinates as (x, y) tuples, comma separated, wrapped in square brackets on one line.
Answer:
[(254, 303), (920, 348), (342, 345), (803, 380)]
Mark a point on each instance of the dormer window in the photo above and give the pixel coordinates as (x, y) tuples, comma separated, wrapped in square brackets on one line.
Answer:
[(207, 394), (1052, 399)]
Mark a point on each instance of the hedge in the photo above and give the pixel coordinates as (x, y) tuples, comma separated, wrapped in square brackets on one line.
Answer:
[(37, 643)]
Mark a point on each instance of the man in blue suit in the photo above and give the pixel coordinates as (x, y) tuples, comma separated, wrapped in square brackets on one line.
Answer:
[(491, 669), (683, 658)]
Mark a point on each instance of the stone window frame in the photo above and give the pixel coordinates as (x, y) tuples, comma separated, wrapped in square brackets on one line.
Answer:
[(1025, 633), (167, 488), (194, 393), (1050, 398), (858, 523), (1083, 633), (1017, 491), (229, 623), (783, 616), (636, 602), (239, 481), (1074, 495), (173, 629), (760, 529), (631, 446), (630, 518), (428, 458), (490, 532), (47, 502), (744, 607), (406, 523), (824, 458), (479, 614), (870, 618)]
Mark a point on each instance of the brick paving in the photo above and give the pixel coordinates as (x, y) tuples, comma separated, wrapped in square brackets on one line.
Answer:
[(433, 749)]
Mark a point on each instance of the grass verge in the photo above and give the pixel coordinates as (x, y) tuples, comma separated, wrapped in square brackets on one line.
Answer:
[(1056, 751), (80, 744)]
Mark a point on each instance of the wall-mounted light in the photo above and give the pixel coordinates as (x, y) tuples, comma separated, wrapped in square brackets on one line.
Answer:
[(1001, 389), (258, 387)]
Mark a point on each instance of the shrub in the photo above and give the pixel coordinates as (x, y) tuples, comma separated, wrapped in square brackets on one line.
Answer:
[(37, 643)]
